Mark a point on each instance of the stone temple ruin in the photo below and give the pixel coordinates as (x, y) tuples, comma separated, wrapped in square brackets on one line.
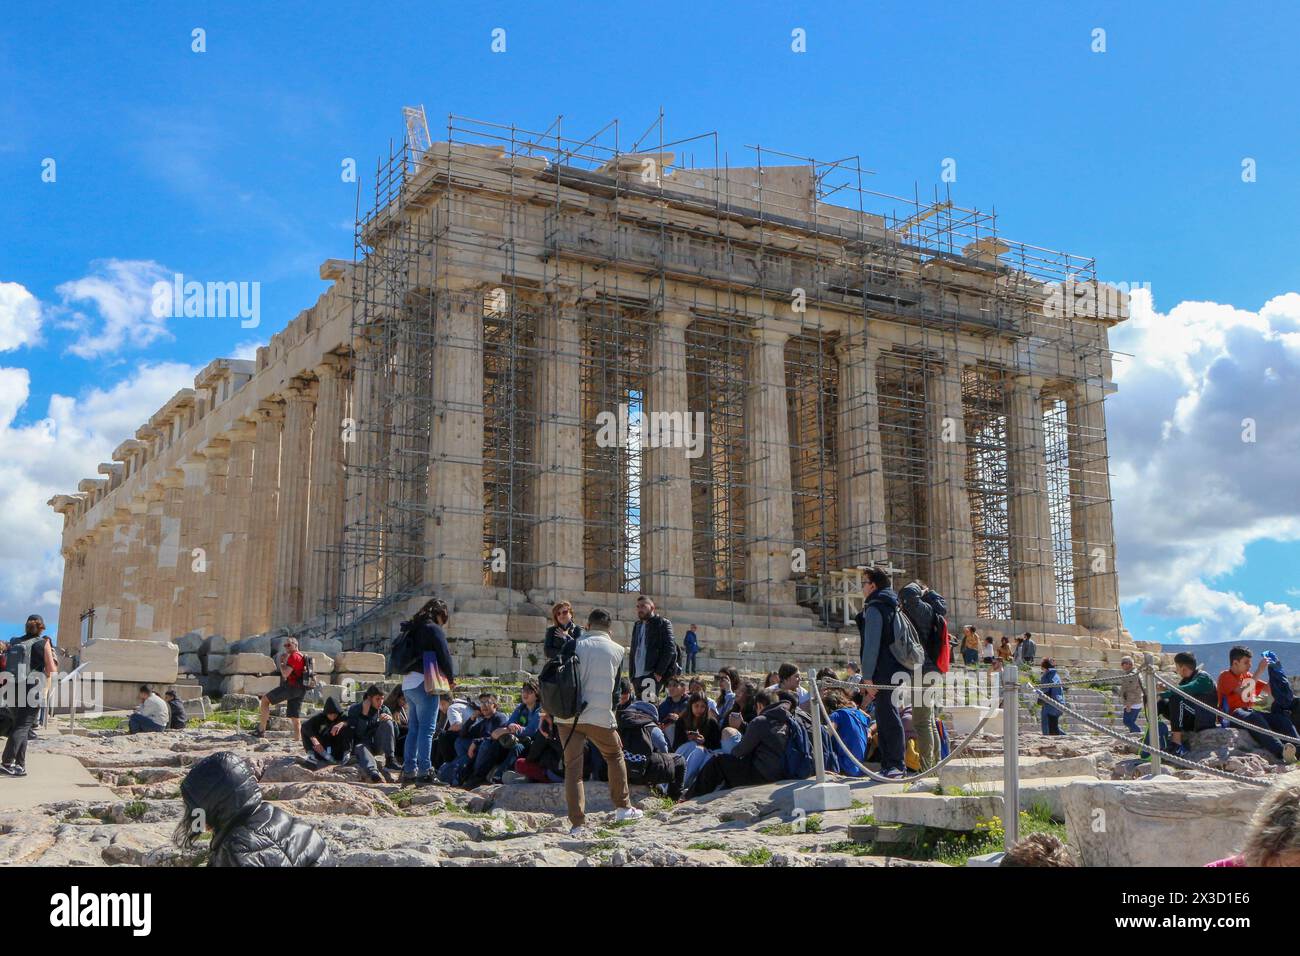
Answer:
[(850, 386)]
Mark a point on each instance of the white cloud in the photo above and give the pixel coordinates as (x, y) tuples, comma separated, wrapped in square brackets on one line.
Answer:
[(1190, 493), (20, 317), (120, 295), (49, 457)]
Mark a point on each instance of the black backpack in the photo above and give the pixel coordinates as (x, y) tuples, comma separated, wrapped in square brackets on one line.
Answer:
[(675, 668), (22, 652), (405, 652), (561, 684)]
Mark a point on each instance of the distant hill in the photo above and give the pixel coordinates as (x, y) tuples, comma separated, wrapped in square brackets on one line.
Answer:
[(1215, 656)]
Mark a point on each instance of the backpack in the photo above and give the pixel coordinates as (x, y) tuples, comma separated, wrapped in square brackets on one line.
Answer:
[(799, 762), (906, 647), (21, 653), (561, 684), (939, 640), (675, 668), (404, 654), (308, 678)]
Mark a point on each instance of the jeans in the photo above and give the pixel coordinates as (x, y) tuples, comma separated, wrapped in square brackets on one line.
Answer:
[(1051, 724), (1131, 719), (422, 718), (696, 756), (690, 661), (139, 724), (969, 656), (385, 736), (889, 732), (15, 751), (607, 741), (1267, 721)]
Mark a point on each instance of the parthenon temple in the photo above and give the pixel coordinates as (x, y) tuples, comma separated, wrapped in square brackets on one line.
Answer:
[(557, 368)]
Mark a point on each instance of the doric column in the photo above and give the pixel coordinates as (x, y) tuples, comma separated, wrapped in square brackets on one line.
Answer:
[(364, 492), (555, 553), (68, 631), (1096, 594), (291, 526), (325, 520), (1033, 575), (236, 520), (137, 573), (195, 523), (167, 620), (861, 487), (151, 596), (769, 512), (952, 543), (259, 582), (453, 531), (667, 565), (211, 572)]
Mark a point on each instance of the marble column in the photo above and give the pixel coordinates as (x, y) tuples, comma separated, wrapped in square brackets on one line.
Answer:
[(291, 524), (769, 512), (167, 620), (364, 491), (325, 521), (453, 531), (555, 549), (211, 572), (1096, 592), (151, 597), (863, 539), (259, 581), (667, 564), (952, 542), (236, 524), (137, 606), (1033, 576)]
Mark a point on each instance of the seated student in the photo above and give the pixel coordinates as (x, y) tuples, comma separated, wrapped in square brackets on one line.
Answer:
[(1185, 716), (672, 706), (474, 733), (988, 653), (728, 681), (325, 735), (452, 716), (152, 716), (645, 750), (509, 742), (1038, 849), (760, 755), (1283, 697), (176, 707), (371, 727), (789, 678), (1273, 837), (396, 704), (855, 673), (853, 727), (746, 694), (544, 761), (699, 736), (1239, 689), (696, 686)]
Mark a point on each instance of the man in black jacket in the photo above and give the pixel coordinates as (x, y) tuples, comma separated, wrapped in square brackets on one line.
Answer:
[(923, 608), (760, 755), (371, 726), (325, 735), (653, 651)]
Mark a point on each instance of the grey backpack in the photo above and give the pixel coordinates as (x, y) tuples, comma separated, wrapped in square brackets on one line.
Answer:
[(906, 647)]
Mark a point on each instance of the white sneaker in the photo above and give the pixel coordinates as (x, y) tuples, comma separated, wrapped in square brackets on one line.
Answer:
[(1288, 753), (580, 833), (623, 814)]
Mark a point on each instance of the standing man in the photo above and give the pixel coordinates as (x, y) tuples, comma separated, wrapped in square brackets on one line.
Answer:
[(291, 691), (600, 668), (925, 619), (28, 666), (1130, 695), (692, 648), (1028, 650), (652, 650), (876, 627)]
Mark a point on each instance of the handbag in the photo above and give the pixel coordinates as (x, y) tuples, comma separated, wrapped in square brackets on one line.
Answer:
[(435, 682)]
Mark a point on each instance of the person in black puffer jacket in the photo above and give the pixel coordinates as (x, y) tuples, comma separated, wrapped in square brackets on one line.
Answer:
[(221, 794)]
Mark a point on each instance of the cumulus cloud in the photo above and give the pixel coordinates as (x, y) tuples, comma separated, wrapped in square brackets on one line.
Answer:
[(113, 306), (1204, 440), (49, 456), (20, 317)]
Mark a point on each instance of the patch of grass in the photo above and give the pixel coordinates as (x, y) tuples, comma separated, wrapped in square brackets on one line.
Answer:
[(859, 804), (810, 824), (651, 804), (101, 723), (619, 824), (707, 845), (402, 798), (866, 820), (136, 809), (759, 856)]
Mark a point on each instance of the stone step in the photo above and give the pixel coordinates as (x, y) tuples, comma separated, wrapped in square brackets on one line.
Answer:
[(1038, 791), (977, 802), (971, 770), (888, 833)]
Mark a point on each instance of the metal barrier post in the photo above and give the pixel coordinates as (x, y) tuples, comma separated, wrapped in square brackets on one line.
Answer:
[(814, 708), (822, 794), (1153, 718), (1010, 755)]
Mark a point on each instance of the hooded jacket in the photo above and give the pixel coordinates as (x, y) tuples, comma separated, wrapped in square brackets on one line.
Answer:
[(246, 831), (363, 725), (764, 742), (1050, 684), (922, 616), (875, 627), (318, 725)]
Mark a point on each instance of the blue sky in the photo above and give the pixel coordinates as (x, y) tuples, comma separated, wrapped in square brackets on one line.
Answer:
[(226, 165)]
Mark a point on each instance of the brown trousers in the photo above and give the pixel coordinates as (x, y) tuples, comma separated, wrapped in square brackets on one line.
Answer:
[(610, 746)]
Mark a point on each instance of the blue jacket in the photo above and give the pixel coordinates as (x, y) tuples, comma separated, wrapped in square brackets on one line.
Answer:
[(852, 725), (1051, 686), (692, 641), (875, 622), (530, 720)]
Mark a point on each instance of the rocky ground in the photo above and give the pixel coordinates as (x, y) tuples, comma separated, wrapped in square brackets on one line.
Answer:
[(380, 824)]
